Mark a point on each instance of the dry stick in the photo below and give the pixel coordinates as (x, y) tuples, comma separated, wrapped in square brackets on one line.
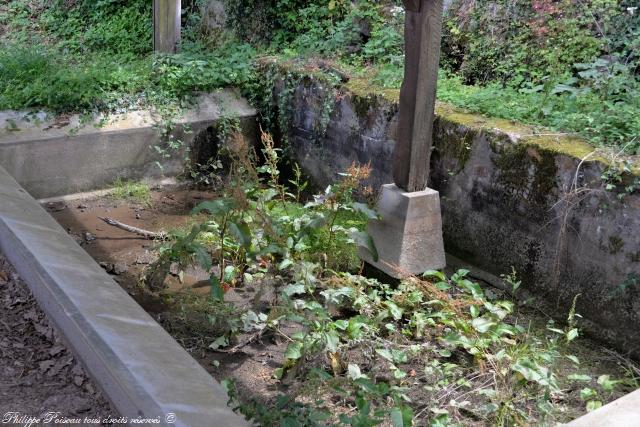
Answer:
[(568, 202), (139, 231), (238, 347), (630, 364)]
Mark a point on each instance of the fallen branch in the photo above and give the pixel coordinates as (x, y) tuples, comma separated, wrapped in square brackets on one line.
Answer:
[(238, 347), (139, 231)]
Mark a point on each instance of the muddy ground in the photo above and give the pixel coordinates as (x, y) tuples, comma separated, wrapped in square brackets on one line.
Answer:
[(38, 374), (126, 257)]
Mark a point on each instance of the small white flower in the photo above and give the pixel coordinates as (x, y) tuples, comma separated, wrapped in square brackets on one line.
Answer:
[(632, 10)]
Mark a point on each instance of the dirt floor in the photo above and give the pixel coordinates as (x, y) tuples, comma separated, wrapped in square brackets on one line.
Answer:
[(38, 374), (126, 256), (122, 254)]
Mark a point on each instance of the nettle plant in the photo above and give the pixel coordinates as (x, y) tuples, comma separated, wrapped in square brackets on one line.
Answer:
[(621, 178), (430, 350), (258, 220)]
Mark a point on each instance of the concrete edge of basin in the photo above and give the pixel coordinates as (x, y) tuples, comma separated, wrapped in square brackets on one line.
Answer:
[(622, 412), (49, 161), (139, 367)]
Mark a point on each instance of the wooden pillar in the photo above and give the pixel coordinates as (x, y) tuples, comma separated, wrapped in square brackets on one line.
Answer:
[(422, 34), (166, 25)]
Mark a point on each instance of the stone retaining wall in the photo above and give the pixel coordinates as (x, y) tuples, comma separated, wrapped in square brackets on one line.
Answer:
[(509, 198)]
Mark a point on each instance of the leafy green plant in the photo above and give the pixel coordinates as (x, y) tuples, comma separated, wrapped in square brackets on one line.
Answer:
[(286, 410), (578, 112), (228, 224), (258, 217), (363, 341), (620, 177), (183, 248), (470, 323)]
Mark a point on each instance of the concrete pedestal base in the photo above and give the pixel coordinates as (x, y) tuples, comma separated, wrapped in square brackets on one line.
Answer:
[(408, 236)]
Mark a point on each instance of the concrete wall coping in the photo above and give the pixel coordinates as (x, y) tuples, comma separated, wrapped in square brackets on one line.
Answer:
[(568, 144), (20, 126), (139, 367)]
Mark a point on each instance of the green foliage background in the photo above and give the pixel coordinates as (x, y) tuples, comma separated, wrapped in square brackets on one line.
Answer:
[(568, 65)]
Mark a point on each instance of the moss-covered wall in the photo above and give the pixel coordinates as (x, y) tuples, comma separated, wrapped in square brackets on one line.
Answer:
[(509, 197)]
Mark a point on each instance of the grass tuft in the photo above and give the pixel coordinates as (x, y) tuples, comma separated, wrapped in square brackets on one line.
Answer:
[(130, 190)]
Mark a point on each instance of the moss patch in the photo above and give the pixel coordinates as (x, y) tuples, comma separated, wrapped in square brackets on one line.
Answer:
[(513, 164), (455, 145), (364, 88), (568, 145), (528, 175), (615, 244), (561, 144)]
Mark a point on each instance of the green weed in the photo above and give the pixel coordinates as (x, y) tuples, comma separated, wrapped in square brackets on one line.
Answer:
[(130, 190), (433, 350)]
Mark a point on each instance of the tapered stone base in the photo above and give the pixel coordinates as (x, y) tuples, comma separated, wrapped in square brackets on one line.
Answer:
[(408, 236)]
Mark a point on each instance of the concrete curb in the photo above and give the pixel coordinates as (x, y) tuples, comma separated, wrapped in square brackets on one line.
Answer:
[(137, 364), (623, 412)]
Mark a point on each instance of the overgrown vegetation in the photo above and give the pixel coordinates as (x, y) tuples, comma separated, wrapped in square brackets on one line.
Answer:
[(570, 65), (567, 65), (96, 56), (430, 350)]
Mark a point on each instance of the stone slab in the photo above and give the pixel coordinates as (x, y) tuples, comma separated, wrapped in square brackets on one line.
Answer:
[(408, 237), (137, 364), (52, 157), (623, 412)]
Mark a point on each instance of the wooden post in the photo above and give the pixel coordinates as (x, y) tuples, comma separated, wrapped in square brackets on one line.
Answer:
[(422, 34), (166, 25)]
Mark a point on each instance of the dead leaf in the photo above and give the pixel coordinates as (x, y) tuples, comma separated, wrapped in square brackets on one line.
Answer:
[(77, 370), (55, 350), (45, 365), (31, 315), (55, 370), (46, 331)]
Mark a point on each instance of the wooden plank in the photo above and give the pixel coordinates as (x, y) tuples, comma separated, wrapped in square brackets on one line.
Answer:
[(422, 34), (166, 25), (412, 5)]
